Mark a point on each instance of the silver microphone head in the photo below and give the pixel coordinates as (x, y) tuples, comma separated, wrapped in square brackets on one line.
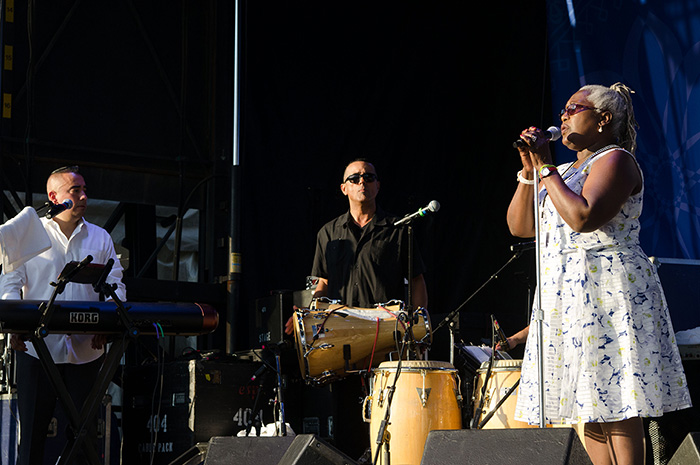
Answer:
[(68, 203), (555, 132), (434, 206)]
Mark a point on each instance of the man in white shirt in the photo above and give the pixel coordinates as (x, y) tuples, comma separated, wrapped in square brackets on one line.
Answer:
[(78, 356)]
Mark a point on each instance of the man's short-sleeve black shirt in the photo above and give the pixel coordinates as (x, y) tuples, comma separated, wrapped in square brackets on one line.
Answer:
[(364, 266)]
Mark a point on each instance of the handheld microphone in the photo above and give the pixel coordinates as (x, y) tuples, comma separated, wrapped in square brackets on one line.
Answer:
[(55, 209), (432, 207), (552, 133)]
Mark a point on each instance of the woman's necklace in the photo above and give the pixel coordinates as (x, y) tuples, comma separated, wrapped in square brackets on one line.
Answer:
[(583, 162)]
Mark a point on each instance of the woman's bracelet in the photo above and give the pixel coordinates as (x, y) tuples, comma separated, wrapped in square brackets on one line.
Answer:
[(546, 170), (523, 180)]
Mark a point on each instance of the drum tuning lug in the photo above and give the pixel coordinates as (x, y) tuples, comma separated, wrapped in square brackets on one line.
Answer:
[(308, 352), (423, 394)]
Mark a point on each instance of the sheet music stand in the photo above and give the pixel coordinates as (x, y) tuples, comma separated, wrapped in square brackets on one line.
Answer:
[(85, 273)]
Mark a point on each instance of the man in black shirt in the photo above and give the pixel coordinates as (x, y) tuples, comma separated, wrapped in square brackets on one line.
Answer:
[(361, 257)]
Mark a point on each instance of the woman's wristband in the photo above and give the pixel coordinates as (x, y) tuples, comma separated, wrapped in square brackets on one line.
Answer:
[(523, 180), (546, 170)]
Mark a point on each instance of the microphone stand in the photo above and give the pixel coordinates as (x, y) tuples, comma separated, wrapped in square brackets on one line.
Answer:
[(382, 435), (44, 208), (538, 315), (409, 329), (254, 418), (482, 400), (448, 320), (407, 222), (282, 429)]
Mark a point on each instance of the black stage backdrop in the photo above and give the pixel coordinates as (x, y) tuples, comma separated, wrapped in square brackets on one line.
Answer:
[(433, 93)]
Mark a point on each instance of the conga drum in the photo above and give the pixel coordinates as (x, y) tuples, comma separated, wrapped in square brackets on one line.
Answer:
[(504, 375), (426, 398), (339, 339)]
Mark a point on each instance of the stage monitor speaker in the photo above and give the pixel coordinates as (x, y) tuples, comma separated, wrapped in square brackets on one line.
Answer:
[(687, 453), (553, 446), (307, 449), (233, 450)]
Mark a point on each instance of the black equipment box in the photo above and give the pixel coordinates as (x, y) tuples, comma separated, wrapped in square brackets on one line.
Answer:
[(169, 408), (679, 278), (272, 312)]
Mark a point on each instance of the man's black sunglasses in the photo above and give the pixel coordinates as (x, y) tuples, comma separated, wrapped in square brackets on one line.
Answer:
[(355, 178)]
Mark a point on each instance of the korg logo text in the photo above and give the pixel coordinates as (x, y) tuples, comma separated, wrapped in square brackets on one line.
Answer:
[(84, 317)]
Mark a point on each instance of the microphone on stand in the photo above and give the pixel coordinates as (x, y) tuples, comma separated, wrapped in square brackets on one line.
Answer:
[(552, 133), (432, 207), (53, 209), (281, 345), (259, 372), (522, 246), (502, 339)]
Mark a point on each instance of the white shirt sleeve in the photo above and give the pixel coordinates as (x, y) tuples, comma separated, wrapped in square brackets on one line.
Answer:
[(11, 283)]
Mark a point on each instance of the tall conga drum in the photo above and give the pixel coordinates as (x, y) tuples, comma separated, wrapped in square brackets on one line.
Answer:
[(426, 398), (504, 375)]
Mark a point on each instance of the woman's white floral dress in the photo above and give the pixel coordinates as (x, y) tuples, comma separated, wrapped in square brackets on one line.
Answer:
[(609, 346)]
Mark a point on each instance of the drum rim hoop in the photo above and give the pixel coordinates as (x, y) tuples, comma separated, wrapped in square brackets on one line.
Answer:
[(502, 365), (413, 365)]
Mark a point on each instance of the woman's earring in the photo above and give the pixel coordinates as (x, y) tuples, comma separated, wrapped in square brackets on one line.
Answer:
[(600, 128)]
